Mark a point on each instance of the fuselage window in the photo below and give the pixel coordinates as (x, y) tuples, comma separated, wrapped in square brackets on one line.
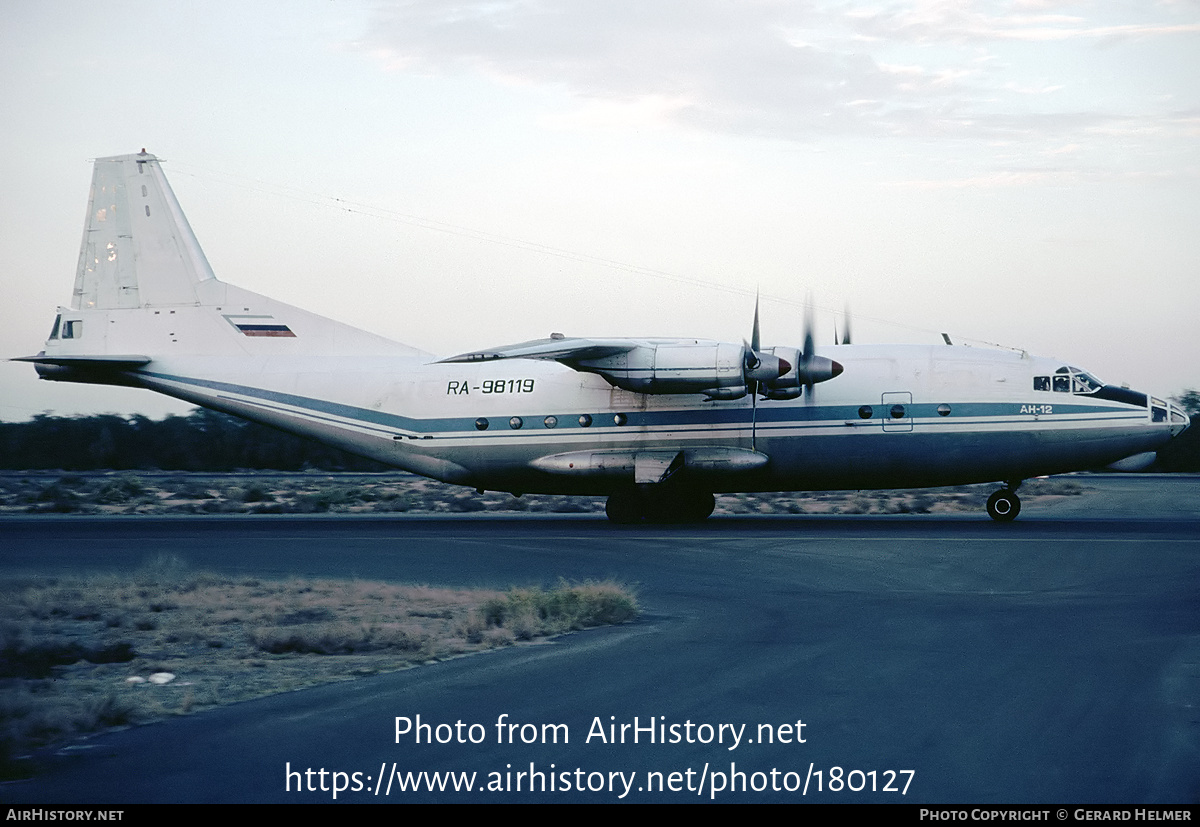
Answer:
[(897, 412), (943, 409), (866, 412), (481, 424), (584, 420)]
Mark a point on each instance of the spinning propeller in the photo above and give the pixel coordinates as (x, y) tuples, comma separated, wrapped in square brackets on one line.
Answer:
[(814, 368), (783, 372)]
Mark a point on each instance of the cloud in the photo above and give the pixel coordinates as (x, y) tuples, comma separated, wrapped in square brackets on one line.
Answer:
[(770, 68), (721, 66), (949, 21)]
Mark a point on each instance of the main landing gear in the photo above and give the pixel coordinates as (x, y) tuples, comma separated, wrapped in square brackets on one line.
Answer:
[(659, 504), (1004, 505)]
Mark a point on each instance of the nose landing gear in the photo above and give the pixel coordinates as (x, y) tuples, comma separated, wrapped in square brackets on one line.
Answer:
[(1004, 505)]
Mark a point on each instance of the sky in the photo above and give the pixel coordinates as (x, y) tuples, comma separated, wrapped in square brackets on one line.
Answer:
[(456, 175)]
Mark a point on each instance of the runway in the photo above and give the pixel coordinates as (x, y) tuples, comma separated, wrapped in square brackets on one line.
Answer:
[(929, 659)]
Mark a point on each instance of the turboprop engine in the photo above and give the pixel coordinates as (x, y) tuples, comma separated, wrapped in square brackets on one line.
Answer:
[(802, 372), (716, 369)]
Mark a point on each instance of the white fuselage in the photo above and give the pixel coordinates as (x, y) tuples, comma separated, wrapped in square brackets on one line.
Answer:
[(899, 416)]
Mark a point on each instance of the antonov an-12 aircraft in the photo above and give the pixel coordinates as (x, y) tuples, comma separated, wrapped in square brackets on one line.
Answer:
[(657, 425)]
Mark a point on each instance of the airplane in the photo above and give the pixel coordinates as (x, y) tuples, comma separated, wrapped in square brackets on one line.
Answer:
[(659, 426)]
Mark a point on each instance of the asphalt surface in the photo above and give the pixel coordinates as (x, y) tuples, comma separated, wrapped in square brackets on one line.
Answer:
[(1052, 660)]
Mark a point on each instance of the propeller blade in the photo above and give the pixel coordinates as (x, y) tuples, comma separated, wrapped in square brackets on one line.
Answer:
[(752, 384), (755, 342), (808, 329), (758, 366), (846, 325), (750, 357)]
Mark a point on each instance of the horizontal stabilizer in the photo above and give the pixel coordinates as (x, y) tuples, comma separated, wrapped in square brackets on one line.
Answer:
[(117, 362)]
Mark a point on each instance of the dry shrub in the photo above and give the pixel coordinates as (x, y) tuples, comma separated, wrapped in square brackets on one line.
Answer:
[(340, 638), (532, 612)]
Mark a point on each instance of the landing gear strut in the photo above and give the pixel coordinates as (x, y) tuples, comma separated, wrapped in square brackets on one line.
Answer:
[(1004, 505), (655, 504)]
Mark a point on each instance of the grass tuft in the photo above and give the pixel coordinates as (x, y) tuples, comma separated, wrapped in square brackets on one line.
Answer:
[(534, 612)]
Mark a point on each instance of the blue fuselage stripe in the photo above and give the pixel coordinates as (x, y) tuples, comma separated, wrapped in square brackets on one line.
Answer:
[(714, 420)]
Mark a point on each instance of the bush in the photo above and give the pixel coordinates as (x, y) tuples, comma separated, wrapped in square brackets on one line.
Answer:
[(532, 612)]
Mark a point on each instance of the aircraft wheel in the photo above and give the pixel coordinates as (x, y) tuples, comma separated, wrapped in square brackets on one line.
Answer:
[(624, 507), (700, 506), (631, 506), (1004, 506), (681, 506)]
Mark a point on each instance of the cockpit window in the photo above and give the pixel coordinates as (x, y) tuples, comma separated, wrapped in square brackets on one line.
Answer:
[(57, 322), (1067, 380), (1082, 383)]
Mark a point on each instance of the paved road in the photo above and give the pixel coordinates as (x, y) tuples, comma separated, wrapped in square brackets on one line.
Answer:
[(1056, 659)]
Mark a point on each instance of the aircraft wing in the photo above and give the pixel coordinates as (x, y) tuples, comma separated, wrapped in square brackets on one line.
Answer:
[(569, 351), (719, 370)]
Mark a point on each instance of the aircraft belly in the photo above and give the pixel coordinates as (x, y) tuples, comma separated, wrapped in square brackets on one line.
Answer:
[(927, 458)]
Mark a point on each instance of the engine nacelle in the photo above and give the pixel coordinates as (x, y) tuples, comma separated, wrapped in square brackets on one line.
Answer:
[(713, 368), (800, 372)]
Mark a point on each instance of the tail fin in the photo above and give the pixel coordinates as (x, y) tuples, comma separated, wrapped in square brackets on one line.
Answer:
[(144, 292), (138, 249)]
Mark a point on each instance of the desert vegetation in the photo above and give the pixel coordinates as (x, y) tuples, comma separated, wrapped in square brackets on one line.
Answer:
[(397, 492), (83, 654)]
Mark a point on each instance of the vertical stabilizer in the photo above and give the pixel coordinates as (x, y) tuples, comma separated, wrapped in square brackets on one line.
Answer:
[(138, 249)]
